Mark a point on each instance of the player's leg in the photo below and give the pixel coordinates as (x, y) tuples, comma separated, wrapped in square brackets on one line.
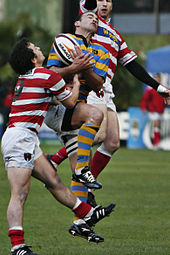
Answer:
[(57, 158), (109, 146), (44, 172), (89, 118), (101, 134), (19, 191), (17, 148)]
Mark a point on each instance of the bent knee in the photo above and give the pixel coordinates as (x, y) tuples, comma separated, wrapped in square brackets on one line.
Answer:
[(97, 116), (112, 146)]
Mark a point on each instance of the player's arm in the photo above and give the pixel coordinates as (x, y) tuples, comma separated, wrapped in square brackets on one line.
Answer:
[(71, 101), (61, 93), (94, 81), (141, 74), (96, 77), (80, 63)]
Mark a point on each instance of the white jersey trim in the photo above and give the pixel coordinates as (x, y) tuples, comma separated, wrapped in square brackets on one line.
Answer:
[(37, 113), (32, 101), (44, 76), (58, 85), (33, 90)]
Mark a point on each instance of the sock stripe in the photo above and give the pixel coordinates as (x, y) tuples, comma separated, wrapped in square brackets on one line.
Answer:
[(84, 152), (79, 188), (81, 165), (85, 139)]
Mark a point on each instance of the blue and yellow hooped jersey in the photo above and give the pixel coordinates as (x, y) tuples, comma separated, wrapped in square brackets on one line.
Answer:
[(100, 59)]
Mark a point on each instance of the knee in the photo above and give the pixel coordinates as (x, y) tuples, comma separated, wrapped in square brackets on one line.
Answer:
[(97, 116), (22, 195), (111, 146)]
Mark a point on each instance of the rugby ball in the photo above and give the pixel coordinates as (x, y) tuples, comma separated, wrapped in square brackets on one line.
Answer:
[(63, 44)]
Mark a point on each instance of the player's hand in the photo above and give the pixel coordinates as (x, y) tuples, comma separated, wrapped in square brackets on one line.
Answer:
[(165, 93), (81, 61)]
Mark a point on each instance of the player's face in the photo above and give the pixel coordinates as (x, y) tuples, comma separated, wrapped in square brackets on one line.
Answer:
[(89, 21), (104, 8), (39, 57)]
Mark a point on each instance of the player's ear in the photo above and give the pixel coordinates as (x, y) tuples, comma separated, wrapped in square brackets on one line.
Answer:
[(34, 60), (77, 23)]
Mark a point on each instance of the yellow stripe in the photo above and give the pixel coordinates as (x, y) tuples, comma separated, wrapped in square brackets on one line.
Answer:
[(83, 139), (73, 183), (81, 165), (102, 66), (75, 218), (83, 152), (90, 128), (79, 193)]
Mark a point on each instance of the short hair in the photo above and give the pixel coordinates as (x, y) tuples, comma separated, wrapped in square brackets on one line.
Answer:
[(80, 16), (21, 57)]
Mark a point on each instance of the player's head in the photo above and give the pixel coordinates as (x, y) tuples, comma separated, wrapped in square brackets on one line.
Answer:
[(25, 56), (86, 22), (104, 8)]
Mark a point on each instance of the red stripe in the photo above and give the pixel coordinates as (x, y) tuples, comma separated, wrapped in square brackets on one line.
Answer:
[(27, 95), (30, 107), (25, 118)]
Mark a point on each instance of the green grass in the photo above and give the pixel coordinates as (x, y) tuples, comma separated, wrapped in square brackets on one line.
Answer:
[(138, 181)]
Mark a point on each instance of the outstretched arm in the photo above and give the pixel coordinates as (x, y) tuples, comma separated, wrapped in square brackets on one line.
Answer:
[(141, 74)]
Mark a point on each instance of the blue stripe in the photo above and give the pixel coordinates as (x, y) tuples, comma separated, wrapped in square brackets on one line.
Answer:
[(86, 133), (82, 159), (55, 62), (84, 146), (79, 188), (84, 199)]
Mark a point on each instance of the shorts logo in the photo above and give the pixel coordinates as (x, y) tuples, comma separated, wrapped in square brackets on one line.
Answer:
[(27, 156)]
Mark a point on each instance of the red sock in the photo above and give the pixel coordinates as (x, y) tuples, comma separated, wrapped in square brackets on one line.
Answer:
[(156, 139), (98, 163), (82, 210), (17, 237), (59, 156)]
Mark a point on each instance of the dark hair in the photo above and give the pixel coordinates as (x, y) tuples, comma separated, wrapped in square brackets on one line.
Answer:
[(21, 57), (80, 16)]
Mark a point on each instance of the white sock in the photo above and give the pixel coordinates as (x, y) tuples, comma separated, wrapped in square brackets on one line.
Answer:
[(78, 222), (78, 202)]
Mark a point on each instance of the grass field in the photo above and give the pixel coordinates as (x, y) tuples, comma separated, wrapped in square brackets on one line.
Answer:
[(138, 181)]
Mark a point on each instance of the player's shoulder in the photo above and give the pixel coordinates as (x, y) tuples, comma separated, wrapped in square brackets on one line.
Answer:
[(98, 46), (45, 71)]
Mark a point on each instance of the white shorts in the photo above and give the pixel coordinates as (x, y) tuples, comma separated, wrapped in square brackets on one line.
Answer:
[(54, 120), (20, 147), (155, 116), (106, 100), (54, 117)]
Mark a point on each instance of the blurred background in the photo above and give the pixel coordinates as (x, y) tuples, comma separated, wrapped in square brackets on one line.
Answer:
[(144, 24)]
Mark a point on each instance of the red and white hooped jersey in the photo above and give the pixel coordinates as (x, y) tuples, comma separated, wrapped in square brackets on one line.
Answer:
[(111, 39), (33, 95)]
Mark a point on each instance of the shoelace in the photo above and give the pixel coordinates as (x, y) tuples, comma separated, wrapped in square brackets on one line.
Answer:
[(89, 177)]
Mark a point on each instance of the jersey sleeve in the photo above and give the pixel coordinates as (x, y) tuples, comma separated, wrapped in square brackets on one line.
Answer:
[(57, 87), (125, 55)]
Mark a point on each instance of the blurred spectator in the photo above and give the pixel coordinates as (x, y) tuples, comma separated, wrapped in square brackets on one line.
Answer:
[(153, 103), (6, 94)]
